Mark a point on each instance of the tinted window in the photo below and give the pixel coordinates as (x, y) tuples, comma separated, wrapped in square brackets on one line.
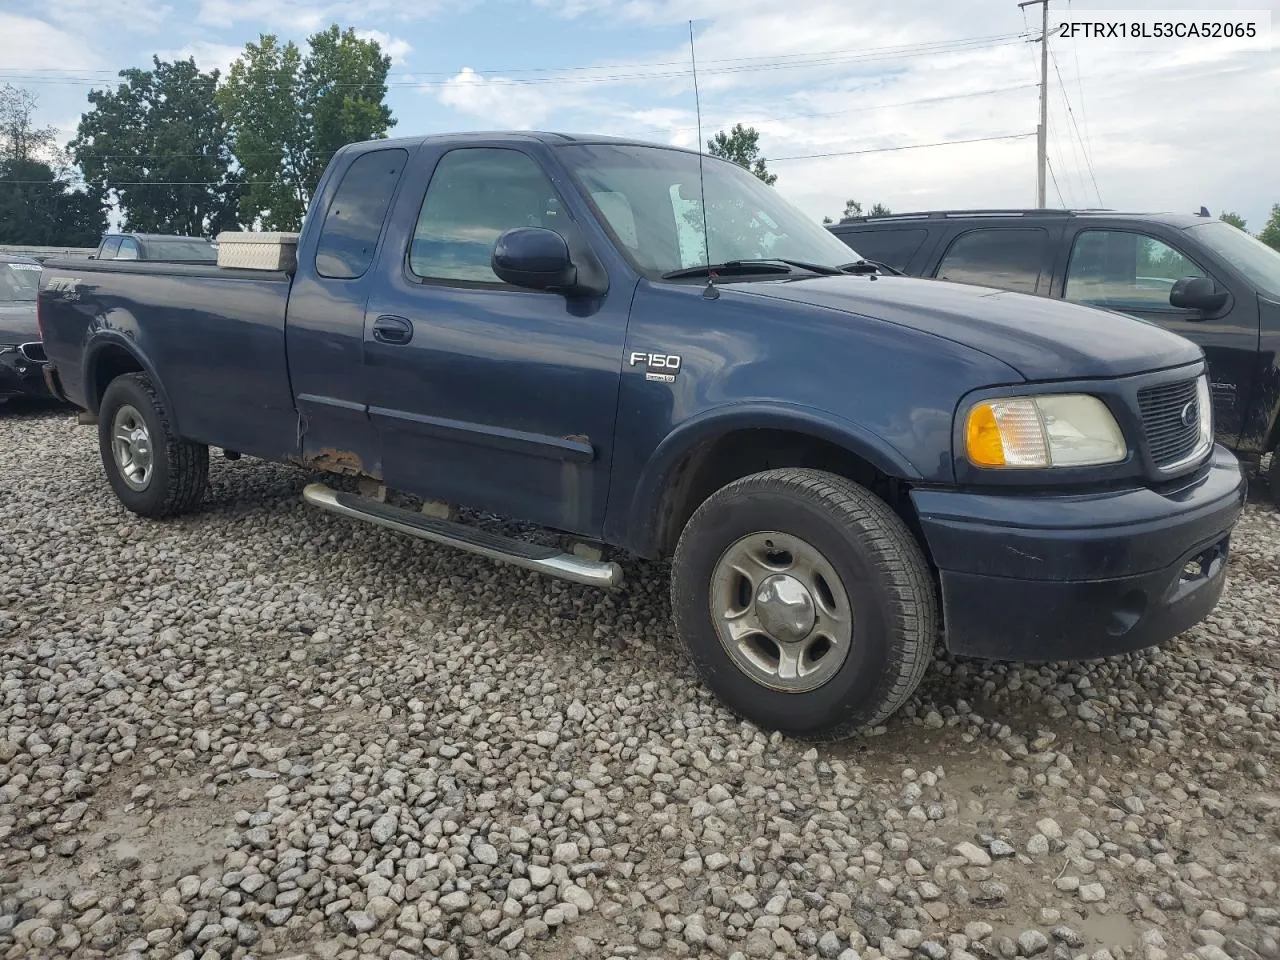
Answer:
[(475, 195), (109, 249), (892, 247), (1007, 259), (1120, 269), (128, 249), (354, 218)]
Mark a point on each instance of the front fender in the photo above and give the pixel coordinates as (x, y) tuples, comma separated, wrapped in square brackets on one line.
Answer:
[(646, 502)]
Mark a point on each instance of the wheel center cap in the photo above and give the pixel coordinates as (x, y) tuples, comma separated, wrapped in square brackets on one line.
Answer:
[(785, 608)]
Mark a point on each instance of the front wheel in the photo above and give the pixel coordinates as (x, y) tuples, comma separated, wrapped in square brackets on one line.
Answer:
[(152, 471), (804, 602)]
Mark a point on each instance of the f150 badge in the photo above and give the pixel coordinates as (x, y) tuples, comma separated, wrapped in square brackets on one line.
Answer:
[(659, 367)]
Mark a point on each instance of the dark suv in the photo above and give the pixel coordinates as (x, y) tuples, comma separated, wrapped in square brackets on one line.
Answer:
[(1201, 278)]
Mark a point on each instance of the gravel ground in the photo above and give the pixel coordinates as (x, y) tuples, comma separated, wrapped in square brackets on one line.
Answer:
[(266, 731)]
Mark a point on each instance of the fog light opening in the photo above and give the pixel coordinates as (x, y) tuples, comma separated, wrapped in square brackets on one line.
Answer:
[(1127, 613)]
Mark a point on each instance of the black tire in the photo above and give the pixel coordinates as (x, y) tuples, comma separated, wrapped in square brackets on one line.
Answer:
[(880, 566), (180, 468), (1273, 477)]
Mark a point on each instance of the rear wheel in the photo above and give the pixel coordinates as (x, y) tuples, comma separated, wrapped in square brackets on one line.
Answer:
[(1273, 476), (804, 602), (152, 471)]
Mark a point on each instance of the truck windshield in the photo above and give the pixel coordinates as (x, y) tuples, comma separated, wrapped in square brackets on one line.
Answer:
[(18, 281), (1247, 254), (650, 199)]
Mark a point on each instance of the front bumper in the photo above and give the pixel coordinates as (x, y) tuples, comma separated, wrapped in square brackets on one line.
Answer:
[(1039, 576), (22, 372)]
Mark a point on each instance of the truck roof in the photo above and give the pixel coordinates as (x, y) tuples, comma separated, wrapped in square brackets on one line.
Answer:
[(515, 136), (151, 236), (1179, 220)]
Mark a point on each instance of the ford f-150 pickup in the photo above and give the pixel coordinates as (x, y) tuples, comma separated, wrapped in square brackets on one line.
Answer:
[(646, 350)]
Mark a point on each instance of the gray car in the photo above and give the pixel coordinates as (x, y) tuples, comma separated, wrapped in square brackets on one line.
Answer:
[(22, 357)]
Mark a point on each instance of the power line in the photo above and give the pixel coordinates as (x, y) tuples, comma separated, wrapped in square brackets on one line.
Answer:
[(1084, 120), (1071, 113), (731, 66), (753, 120), (807, 156), (1054, 178), (908, 146)]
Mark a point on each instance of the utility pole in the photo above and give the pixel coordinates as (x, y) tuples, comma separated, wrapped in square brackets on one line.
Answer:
[(1042, 131)]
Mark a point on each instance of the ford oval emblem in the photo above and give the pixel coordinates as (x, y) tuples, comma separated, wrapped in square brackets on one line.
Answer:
[(1189, 414)]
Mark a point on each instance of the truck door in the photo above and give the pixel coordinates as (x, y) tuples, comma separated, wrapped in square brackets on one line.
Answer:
[(1131, 271), (485, 394), (325, 328)]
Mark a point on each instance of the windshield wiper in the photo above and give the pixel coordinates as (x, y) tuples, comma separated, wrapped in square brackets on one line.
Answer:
[(760, 265), (870, 266)]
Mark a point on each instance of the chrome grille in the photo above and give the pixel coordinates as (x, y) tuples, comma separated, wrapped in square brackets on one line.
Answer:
[(1169, 438)]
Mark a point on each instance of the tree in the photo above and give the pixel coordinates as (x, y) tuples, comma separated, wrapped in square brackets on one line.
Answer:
[(20, 139), (853, 208), (741, 145), (1234, 219), (159, 145), (289, 114), (1270, 234), (39, 205)]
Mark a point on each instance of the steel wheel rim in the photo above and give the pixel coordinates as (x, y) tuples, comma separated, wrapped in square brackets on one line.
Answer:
[(781, 612), (131, 447)]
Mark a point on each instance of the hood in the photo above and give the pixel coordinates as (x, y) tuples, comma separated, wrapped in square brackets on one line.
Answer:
[(1042, 339), (18, 322)]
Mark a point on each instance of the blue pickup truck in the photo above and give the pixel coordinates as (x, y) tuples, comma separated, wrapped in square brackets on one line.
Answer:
[(648, 351)]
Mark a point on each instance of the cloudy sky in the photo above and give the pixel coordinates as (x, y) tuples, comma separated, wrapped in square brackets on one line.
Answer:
[(832, 85)]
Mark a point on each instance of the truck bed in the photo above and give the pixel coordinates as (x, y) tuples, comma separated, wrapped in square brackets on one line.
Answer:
[(220, 332)]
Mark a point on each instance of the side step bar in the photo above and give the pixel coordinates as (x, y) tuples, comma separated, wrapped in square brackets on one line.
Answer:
[(531, 556)]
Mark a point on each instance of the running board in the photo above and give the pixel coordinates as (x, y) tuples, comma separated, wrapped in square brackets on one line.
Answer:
[(531, 556)]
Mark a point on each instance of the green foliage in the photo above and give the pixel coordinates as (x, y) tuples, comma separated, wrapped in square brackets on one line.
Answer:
[(159, 145), (1270, 234), (1234, 219), (741, 145), (260, 103), (39, 206), (853, 208), (290, 113)]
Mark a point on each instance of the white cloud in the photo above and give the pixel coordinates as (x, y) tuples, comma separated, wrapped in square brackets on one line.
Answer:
[(397, 48), (1163, 130), (32, 44), (207, 55), (140, 15), (504, 101), (310, 15)]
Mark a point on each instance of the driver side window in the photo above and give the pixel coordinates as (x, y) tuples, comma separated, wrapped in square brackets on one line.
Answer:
[(475, 195), (1121, 270)]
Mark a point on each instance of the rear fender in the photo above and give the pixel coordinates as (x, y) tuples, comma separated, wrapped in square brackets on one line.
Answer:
[(111, 339)]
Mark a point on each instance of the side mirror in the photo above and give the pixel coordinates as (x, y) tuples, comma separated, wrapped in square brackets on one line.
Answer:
[(1197, 293), (534, 257)]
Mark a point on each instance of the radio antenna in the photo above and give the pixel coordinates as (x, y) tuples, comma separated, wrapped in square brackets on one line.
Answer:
[(709, 292)]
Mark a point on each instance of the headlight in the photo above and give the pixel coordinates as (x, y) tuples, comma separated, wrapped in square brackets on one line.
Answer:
[(1064, 430)]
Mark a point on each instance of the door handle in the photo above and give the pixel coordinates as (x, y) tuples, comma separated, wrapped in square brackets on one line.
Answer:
[(392, 330)]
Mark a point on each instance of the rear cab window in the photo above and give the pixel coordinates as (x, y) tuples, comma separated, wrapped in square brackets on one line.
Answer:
[(353, 222), (1008, 258), (128, 249)]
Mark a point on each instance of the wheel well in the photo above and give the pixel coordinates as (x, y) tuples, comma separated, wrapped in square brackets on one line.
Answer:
[(110, 362), (741, 453)]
